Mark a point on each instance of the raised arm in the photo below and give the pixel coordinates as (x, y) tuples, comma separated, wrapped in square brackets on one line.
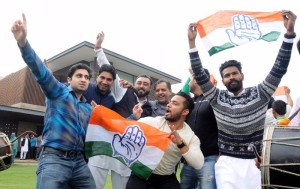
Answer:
[(117, 89), (41, 73), (19, 29), (284, 55), (198, 71)]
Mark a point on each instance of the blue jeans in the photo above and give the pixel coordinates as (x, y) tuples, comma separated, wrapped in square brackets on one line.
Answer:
[(57, 171), (201, 179)]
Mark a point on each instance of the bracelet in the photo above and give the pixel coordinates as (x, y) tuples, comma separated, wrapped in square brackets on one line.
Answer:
[(290, 36), (181, 145)]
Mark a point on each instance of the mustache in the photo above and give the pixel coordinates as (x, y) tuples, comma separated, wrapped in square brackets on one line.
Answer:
[(233, 81)]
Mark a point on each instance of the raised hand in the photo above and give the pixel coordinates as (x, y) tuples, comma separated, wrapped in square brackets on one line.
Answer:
[(99, 40), (175, 137), (245, 29), (289, 19), (130, 145), (19, 29), (125, 84), (93, 104), (137, 110), (192, 33)]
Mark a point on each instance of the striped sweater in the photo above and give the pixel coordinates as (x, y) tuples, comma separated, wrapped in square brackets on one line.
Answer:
[(241, 118)]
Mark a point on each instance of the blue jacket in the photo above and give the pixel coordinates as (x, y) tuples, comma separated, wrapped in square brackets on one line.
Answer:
[(66, 118)]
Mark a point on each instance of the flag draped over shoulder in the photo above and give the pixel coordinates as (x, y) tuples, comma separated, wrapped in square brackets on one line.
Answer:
[(227, 29), (137, 145)]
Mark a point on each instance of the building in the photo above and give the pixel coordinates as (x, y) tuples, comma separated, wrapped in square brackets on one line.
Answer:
[(22, 103)]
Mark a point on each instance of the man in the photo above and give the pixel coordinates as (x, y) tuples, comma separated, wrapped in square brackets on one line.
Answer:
[(126, 99), (24, 147), (61, 164), (163, 93), (279, 110), (184, 144), (99, 91), (15, 146), (203, 122), (289, 105), (240, 112), (33, 141)]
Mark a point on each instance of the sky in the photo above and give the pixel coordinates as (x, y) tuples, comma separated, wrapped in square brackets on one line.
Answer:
[(151, 32)]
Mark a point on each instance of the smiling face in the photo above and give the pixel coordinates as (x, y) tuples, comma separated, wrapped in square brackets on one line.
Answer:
[(162, 93), (104, 82), (233, 79), (142, 86)]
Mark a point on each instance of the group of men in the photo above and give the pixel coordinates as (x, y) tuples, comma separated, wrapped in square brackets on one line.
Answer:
[(225, 121)]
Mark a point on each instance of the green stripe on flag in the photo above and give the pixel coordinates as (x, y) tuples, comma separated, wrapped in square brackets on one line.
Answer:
[(272, 36), (217, 49), (269, 37), (93, 148)]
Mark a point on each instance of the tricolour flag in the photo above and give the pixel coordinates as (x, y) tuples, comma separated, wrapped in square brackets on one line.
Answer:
[(137, 145), (227, 29)]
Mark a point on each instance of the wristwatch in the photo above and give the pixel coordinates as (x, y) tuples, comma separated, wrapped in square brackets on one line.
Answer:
[(181, 145)]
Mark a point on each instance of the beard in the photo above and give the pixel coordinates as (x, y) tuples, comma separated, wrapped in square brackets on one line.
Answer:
[(236, 87), (141, 94), (174, 118)]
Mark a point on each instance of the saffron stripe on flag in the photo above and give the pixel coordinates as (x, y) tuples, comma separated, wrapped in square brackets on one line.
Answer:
[(137, 145), (93, 137), (107, 119), (227, 29), (223, 19)]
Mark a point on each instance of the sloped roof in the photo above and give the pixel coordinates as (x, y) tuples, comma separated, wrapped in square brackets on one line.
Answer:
[(84, 51)]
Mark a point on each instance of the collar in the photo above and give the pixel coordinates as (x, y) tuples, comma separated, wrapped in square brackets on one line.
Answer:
[(141, 102), (231, 94), (98, 91), (280, 118), (82, 98)]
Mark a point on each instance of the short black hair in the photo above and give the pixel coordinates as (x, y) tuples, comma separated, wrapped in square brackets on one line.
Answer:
[(230, 63), (108, 68), (163, 81), (188, 103), (145, 76), (279, 106), (77, 67)]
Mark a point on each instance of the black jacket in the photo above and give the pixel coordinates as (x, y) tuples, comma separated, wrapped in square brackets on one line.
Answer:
[(125, 105), (203, 122)]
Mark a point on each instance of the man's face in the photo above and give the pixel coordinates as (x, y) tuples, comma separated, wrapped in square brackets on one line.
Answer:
[(104, 82), (175, 109), (162, 93), (79, 81), (142, 86), (233, 79)]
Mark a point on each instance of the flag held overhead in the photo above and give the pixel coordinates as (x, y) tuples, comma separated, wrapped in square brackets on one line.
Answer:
[(228, 29)]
